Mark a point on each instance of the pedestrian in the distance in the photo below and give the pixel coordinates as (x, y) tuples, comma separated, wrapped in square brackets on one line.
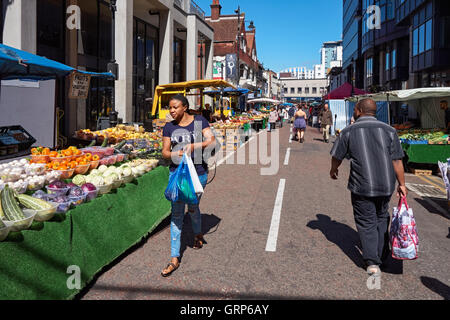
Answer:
[(300, 124), (285, 115), (280, 116), (273, 118), (190, 135), (326, 120), (376, 157)]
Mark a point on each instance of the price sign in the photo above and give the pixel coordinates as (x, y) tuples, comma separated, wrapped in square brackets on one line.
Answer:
[(79, 85)]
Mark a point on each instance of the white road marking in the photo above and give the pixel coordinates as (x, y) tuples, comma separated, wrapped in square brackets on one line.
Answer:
[(271, 245), (222, 161), (288, 154)]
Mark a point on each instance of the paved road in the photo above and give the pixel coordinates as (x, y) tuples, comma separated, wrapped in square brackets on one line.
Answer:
[(316, 252)]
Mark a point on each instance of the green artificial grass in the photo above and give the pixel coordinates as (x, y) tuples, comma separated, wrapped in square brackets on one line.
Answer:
[(33, 263)]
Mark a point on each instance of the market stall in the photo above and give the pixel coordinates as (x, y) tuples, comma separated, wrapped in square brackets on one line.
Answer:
[(30, 104), (71, 206), (429, 143)]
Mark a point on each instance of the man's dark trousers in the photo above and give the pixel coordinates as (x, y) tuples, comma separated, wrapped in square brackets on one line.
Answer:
[(372, 221)]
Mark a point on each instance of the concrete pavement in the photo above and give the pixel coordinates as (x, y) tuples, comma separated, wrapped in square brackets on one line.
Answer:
[(317, 253)]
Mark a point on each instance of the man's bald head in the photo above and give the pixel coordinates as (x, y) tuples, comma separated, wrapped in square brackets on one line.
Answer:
[(367, 107)]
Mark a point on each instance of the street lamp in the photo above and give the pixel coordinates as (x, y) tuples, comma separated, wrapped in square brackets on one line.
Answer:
[(113, 67), (238, 71)]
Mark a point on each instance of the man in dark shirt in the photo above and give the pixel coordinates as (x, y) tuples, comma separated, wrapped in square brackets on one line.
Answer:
[(375, 152), (444, 106)]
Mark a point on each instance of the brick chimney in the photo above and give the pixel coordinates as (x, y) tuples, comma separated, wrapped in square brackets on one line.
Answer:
[(215, 10)]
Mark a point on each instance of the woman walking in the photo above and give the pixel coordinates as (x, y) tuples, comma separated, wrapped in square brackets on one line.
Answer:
[(300, 124), (190, 135)]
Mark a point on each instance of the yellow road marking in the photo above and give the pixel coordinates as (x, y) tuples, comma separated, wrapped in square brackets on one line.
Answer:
[(426, 180)]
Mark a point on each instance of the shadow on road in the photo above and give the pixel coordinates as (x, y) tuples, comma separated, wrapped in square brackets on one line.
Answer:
[(178, 293), (210, 224), (448, 233), (431, 209), (345, 237), (436, 286)]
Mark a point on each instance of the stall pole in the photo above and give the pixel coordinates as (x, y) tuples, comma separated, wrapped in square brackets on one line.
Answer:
[(113, 66), (389, 110)]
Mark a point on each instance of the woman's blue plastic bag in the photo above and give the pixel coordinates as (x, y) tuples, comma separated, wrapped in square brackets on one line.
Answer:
[(181, 188)]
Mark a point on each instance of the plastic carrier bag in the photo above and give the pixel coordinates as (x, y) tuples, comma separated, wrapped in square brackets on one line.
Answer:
[(181, 187), (403, 235)]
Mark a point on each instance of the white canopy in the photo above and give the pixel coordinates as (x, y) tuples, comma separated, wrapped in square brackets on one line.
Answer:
[(264, 100), (407, 95)]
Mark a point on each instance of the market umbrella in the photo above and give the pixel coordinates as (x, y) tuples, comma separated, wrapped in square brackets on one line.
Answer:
[(19, 64), (264, 100), (344, 91)]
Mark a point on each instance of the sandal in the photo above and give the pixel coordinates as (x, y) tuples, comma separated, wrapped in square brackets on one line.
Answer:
[(175, 268), (198, 243)]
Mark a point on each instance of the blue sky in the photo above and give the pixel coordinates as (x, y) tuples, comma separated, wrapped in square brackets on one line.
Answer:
[(289, 33)]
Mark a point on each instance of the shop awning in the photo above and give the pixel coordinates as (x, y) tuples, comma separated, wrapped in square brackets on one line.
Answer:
[(344, 91), (227, 92), (19, 64), (264, 100), (407, 95)]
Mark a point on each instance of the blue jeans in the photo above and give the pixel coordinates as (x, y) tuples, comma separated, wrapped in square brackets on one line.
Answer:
[(176, 225)]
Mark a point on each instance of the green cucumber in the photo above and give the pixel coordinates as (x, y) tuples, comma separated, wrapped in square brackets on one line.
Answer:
[(121, 145), (33, 203), (105, 143), (92, 144), (10, 205)]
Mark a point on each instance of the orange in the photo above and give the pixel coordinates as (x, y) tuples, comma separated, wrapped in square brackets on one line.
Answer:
[(62, 168), (46, 152)]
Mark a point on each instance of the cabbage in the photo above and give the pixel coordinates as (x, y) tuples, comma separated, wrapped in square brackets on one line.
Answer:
[(110, 180), (127, 172), (76, 192), (98, 181), (102, 169), (79, 180), (95, 172), (57, 185), (88, 187), (141, 169)]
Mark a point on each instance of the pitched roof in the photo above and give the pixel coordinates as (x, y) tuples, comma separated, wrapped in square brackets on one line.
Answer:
[(226, 29)]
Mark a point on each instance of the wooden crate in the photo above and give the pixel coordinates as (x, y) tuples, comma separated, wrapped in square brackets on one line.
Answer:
[(421, 172)]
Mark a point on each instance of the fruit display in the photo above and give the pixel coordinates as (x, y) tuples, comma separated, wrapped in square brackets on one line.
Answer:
[(117, 134), (141, 148), (421, 136), (38, 188)]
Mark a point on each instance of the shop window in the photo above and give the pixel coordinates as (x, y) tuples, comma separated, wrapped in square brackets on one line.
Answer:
[(388, 60), (292, 90), (394, 58), (369, 67), (306, 90), (178, 60), (445, 32), (50, 29), (314, 90), (145, 75), (423, 38)]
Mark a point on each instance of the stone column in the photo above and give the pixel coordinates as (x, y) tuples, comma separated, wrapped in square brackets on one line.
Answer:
[(166, 44), (124, 58), (20, 25), (192, 48)]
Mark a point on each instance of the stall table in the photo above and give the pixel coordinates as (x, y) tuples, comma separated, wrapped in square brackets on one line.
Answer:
[(34, 263), (426, 153)]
